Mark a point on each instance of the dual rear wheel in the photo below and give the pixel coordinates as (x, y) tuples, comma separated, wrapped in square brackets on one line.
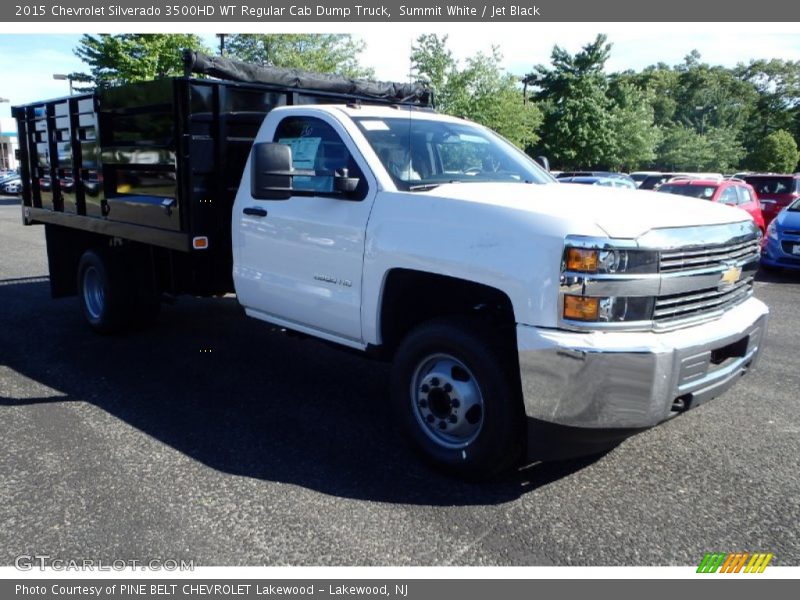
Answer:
[(112, 295)]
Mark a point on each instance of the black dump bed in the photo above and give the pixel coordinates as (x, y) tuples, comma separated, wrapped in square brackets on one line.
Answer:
[(159, 162)]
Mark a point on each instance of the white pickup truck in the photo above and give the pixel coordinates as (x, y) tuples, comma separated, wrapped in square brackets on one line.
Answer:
[(502, 298)]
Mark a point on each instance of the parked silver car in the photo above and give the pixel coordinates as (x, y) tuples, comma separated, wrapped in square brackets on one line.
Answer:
[(12, 186)]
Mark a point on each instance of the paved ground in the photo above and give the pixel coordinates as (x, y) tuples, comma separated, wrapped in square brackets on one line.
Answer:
[(273, 451)]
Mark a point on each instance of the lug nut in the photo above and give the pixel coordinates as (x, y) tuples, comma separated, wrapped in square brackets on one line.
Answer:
[(425, 389), (455, 402), (448, 388), (453, 418), (423, 403), (442, 425), (430, 418), (435, 381)]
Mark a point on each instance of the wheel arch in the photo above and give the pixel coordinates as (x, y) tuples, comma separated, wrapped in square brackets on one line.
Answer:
[(410, 297)]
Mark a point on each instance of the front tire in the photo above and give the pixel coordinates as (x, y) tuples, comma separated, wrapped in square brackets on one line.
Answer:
[(453, 387)]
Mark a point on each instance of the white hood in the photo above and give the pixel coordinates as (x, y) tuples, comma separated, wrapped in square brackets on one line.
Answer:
[(621, 213)]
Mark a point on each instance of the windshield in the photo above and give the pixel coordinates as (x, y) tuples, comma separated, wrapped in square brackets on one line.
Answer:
[(423, 153), (794, 206), (695, 191)]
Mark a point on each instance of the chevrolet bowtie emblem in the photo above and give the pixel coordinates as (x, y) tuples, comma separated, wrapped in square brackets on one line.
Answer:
[(731, 276)]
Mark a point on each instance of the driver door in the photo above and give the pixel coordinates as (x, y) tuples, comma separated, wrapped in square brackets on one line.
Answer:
[(300, 260)]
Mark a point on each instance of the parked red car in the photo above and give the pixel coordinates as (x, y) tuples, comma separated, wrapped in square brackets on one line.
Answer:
[(733, 192), (774, 192)]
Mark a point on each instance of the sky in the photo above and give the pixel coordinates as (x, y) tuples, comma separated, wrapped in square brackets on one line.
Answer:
[(28, 61)]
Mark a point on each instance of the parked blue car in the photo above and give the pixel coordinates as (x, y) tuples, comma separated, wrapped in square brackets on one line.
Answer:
[(781, 248)]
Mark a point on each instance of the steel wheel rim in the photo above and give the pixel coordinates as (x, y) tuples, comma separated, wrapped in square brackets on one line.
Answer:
[(447, 401), (93, 294)]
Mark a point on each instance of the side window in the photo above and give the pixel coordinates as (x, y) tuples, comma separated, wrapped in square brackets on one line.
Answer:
[(317, 147), (744, 195), (729, 196)]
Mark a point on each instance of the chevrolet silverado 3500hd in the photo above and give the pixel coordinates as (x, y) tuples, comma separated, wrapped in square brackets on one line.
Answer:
[(359, 216)]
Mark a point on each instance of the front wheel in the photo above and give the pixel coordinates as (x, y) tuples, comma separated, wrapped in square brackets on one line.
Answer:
[(453, 388)]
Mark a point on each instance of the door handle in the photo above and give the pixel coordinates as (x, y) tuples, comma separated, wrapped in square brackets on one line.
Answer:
[(254, 211)]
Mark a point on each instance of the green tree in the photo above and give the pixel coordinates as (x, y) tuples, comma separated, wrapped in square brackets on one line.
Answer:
[(479, 90), (660, 83), (683, 149), (578, 129), (726, 149), (711, 96), (322, 53), (777, 83), (125, 58), (635, 136), (776, 152)]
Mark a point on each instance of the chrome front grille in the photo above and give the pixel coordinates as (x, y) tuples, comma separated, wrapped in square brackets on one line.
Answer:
[(710, 256), (700, 304)]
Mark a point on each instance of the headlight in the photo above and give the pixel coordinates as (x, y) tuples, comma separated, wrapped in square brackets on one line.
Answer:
[(599, 280), (609, 261), (772, 232)]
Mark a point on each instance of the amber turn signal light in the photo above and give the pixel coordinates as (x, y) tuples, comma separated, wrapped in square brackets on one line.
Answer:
[(579, 259), (580, 308)]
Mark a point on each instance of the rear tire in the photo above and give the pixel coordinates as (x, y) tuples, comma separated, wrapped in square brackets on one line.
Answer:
[(453, 388), (111, 296)]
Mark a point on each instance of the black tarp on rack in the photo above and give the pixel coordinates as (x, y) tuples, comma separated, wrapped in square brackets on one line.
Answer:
[(234, 70)]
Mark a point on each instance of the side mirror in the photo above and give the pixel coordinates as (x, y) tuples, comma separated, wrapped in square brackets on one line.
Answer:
[(271, 171), (543, 162), (344, 184)]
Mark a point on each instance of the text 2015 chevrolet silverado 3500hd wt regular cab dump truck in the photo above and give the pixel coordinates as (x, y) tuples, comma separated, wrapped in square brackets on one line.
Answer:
[(502, 297)]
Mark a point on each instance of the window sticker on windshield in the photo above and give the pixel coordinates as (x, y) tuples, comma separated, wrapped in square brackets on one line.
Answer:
[(304, 150), (375, 125)]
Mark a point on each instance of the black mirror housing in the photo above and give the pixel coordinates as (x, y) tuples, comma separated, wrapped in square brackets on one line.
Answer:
[(344, 184), (271, 171), (543, 162)]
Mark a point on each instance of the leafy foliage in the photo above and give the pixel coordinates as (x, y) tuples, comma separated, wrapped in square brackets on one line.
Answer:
[(776, 152), (689, 116), (126, 58), (578, 129), (479, 91), (322, 53)]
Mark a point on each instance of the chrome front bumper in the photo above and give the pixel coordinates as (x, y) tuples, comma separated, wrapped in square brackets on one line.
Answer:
[(633, 379)]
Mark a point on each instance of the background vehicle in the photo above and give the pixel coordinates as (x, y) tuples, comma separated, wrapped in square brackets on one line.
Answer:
[(603, 181), (652, 182), (781, 247), (608, 174), (730, 191), (361, 217), (12, 186), (639, 176), (774, 192)]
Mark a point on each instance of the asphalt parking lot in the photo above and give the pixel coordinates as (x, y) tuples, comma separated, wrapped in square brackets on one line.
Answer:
[(215, 439)]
